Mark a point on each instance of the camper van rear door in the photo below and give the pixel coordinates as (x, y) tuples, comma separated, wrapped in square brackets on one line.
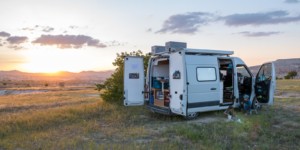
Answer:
[(178, 95), (133, 81), (265, 84)]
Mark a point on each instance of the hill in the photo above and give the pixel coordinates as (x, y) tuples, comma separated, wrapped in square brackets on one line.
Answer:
[(84, 75), (17, 79), (283, 66)]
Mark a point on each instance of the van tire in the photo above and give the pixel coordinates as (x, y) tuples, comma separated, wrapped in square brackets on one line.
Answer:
[(191, 116)]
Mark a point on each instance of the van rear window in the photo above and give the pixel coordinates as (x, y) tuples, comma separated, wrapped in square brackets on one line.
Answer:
[(206, 74)]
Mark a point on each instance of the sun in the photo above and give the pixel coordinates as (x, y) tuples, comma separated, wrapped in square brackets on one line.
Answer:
[(49, 59), (40, 67), (52, 61)]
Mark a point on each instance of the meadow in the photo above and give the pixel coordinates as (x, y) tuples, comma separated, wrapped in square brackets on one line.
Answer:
[(77, 118)]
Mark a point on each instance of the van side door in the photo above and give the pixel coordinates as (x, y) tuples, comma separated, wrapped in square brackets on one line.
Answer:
[(203, 83)]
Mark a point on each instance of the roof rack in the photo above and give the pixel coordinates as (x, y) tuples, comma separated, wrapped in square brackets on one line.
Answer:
[(208, 52)]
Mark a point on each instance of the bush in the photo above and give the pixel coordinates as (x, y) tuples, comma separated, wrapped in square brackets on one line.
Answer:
[(114, 85), (291, 75)]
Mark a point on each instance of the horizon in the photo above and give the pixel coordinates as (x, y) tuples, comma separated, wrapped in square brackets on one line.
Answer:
[(58, 72), (76, 36), (63, 71)]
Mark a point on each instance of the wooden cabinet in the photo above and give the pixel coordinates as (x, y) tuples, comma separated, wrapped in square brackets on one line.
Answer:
[(161, 99)]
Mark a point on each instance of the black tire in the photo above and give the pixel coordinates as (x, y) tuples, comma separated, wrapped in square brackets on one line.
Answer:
[(191, 116)]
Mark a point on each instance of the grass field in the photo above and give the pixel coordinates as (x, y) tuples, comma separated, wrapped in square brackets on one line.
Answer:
[(77, 118)]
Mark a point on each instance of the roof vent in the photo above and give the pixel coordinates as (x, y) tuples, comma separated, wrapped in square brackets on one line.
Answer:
[(157, 49), (175, 46)]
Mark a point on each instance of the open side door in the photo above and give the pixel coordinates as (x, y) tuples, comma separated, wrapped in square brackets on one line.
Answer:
[(265, 84), (133, 81)]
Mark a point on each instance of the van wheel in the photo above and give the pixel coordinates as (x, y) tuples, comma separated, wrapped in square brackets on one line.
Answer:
[(191, 116)]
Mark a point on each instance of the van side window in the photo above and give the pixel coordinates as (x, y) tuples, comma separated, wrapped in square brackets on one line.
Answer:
[(264, 73), (206, 74)]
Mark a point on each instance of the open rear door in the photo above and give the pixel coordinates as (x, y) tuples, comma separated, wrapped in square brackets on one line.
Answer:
[(178, 94), (133, 81), (265, 84)]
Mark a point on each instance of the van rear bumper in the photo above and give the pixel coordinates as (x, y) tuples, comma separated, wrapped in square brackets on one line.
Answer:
[(161, 110)]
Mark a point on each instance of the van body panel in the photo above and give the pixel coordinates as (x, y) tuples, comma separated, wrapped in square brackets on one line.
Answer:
[(205, 109), (203, 81)]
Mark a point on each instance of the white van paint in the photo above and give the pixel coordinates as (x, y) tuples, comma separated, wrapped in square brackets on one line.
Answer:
[(186, 81)]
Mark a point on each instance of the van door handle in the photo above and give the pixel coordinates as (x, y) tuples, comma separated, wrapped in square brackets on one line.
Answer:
[(213, 89)]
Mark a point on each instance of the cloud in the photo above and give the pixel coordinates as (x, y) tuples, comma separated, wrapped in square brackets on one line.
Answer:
[(15, 47), (4, 34), (291, 1), (16, 39), (28, 29), (69, 41), (187, 23), (149, 30), (39, 28), (47, 29), (273, 17), (114, 43), (258, 34), (73, 27)]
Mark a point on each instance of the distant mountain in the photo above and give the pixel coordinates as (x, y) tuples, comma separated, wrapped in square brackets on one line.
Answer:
[(84, 75), (283, 66)]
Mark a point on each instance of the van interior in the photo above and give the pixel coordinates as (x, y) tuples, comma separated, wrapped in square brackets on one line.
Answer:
[(159, 93), (226, 78), (244, 81)]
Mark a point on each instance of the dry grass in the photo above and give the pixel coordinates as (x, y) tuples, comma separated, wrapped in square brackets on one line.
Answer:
[(288, 85), (76, 118)]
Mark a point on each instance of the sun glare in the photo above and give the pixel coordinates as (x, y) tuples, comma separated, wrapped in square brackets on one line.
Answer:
[(52, 61)]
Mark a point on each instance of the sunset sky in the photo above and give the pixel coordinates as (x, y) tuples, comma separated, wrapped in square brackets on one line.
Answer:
[(80, 35)]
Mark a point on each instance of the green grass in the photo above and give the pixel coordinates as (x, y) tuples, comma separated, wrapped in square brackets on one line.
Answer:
[(267, 130), (79, 119)]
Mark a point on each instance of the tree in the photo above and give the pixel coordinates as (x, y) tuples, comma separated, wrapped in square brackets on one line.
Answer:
[(114, 85), (287, 77), (291, 75), (99, 87)]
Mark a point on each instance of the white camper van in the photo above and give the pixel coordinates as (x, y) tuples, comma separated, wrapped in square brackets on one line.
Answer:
[(186, 81)]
